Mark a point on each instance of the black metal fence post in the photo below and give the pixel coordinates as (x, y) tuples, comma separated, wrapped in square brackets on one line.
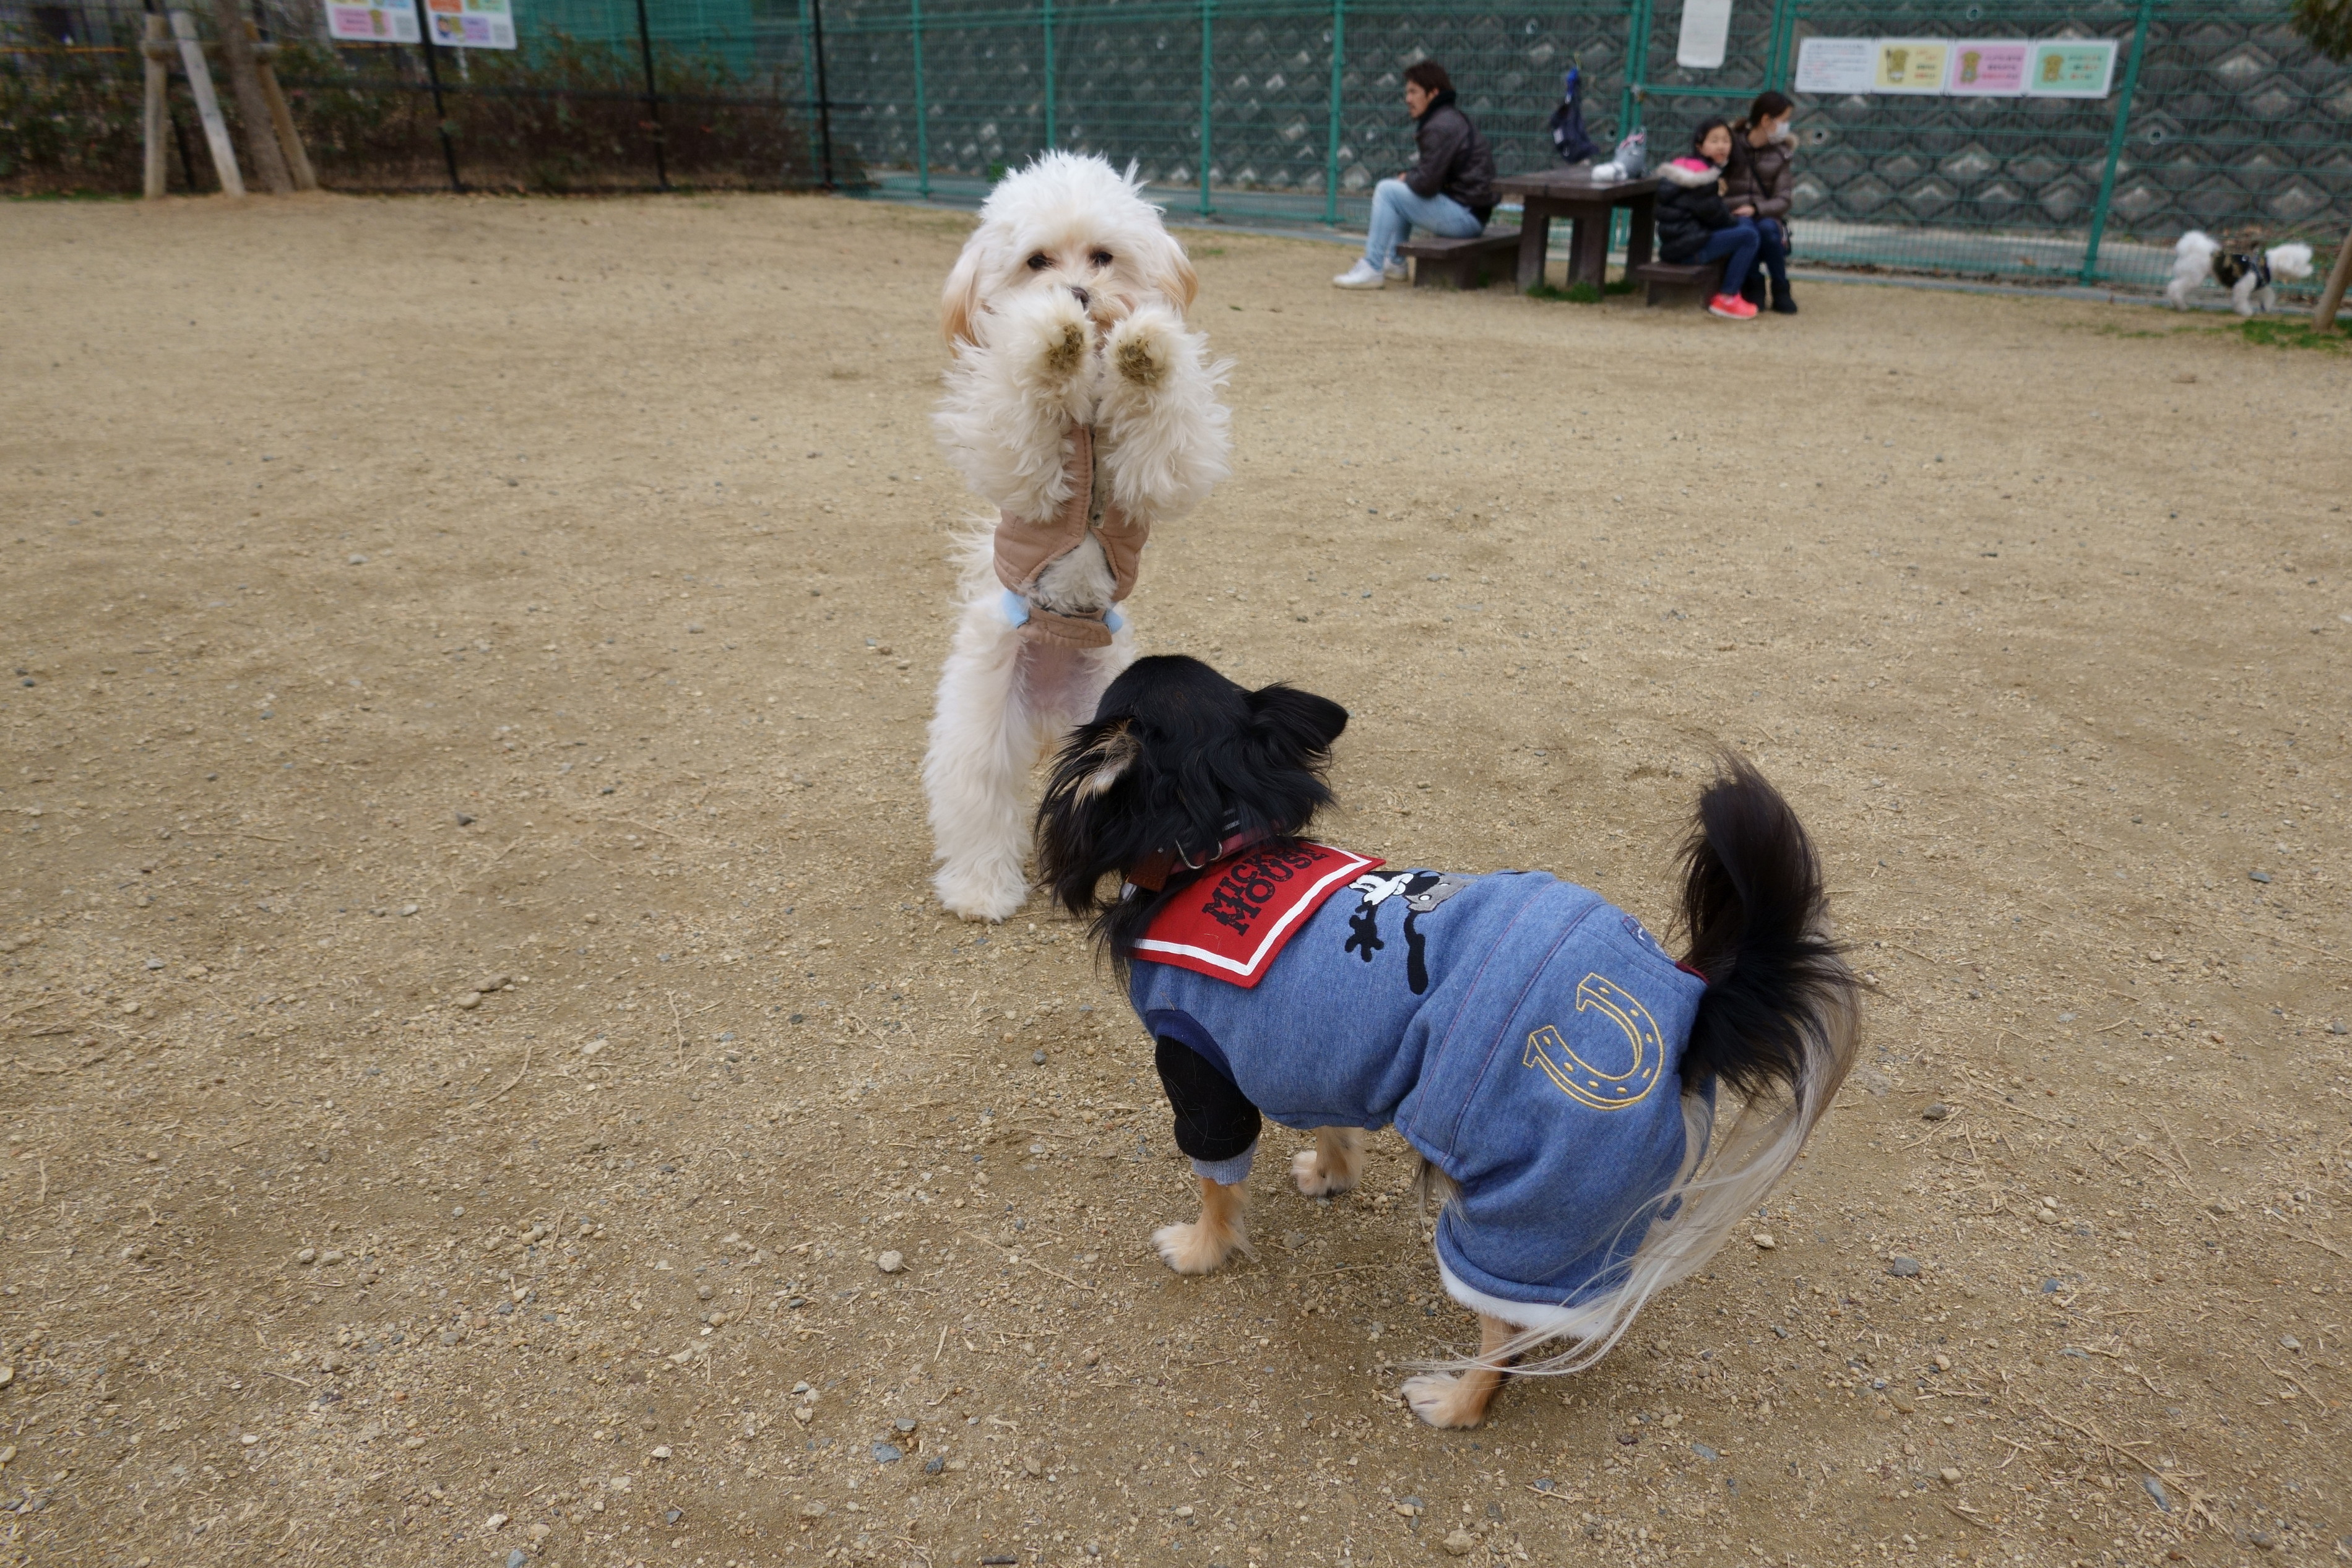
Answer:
[(823, 98), (180, 140), (653, 95), (440, 113)]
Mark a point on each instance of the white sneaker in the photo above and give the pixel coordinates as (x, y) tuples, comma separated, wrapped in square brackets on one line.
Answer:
[(1361, 275), (1395, 272)]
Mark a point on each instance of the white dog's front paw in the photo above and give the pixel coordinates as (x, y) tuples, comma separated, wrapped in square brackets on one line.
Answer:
[(981, 891), (1194, 1248), (1144, 346), (1046, 334), (1443, 1400)]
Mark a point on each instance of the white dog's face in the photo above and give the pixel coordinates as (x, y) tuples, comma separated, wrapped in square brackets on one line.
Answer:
[(1069, 222)]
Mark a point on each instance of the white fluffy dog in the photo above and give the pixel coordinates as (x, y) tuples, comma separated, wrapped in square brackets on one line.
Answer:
[(2200, 258), (1083, 408)]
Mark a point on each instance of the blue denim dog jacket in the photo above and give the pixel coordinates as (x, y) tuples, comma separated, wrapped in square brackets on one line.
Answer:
[(1520, 1031)]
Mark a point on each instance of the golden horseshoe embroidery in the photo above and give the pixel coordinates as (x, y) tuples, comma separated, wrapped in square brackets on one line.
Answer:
[(1579, 1079)]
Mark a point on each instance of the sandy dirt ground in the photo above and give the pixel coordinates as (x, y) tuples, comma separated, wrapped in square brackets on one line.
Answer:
[(473, 1023)]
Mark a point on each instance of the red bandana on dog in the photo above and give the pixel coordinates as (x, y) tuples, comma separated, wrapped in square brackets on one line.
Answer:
[(1232, 922)]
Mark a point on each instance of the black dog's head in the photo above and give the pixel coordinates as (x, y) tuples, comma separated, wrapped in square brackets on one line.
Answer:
[(1176, 758)]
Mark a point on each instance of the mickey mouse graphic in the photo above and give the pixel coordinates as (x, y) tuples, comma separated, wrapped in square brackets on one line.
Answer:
[(1422, 891)]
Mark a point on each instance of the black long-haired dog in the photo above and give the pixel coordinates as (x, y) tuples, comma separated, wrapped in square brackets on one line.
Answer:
[(1556, 1069)]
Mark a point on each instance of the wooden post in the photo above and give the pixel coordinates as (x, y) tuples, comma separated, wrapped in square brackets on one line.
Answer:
[(2331, 299), (159, 84), (297, 162), (200, 84), (244, 81)]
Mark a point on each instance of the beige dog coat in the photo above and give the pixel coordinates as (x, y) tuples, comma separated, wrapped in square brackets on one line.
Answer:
[(1024, 548)]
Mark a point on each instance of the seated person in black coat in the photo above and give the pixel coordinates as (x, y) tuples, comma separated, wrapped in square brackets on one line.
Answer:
[(1450, 191), (1695, 225)]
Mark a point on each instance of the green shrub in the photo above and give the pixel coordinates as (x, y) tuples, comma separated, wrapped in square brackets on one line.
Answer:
[(69, 122), (562, 115), (1579, 292)]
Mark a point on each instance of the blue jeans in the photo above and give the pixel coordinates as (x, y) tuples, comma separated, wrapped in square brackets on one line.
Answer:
[(1736, 248), (1772, 250), (1395, 212)]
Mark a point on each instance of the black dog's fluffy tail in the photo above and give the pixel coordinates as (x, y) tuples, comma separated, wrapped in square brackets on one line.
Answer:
[(1754, 909), (1777, 1026)]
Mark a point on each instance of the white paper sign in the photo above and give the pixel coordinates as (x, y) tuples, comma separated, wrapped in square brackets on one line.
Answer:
[(472, 24), (2071, 67), (1837, 65), (1706, 33), (1988, 67), (365, 24)]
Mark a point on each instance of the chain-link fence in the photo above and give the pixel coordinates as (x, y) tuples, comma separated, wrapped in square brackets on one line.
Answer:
[(2219, 115), (1287, 111)]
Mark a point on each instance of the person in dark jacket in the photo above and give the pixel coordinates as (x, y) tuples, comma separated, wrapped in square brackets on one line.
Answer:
[(1450, 191), (1694, 225), (1757, 183)]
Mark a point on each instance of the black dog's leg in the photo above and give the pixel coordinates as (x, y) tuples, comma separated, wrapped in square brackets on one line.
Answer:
[(1215, 1120), (1217, 1126)]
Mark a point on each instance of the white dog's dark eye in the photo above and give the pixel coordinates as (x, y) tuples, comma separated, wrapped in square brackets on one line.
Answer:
[(1100, 258), (1040, 262)]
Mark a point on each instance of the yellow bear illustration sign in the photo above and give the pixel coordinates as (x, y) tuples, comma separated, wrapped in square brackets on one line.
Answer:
[(1589, 1082), (1912, 65)]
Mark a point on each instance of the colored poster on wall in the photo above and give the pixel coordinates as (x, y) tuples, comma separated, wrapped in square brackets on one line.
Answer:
[(1706, 33), (2071, 67), (394, 23), (1909, 65), (1837, 65), (472, 24), (1988, 67)]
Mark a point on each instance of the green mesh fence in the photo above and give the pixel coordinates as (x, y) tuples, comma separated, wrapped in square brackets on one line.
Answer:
[(1261, 112), (1285, 114)]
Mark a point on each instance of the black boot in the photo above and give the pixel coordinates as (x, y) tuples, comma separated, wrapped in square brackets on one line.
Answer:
[(1753, 289), (1783, 303)]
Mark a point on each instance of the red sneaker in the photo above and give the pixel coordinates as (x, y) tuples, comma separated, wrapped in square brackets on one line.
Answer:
[(1731, 308)]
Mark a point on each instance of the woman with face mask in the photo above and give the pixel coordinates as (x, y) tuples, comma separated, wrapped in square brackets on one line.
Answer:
[(1757, 183)]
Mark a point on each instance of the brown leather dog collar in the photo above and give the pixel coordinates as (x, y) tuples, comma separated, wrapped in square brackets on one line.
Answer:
[(1153, 872)]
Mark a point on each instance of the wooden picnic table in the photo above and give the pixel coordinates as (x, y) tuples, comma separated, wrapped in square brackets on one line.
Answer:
[(1571, 193)]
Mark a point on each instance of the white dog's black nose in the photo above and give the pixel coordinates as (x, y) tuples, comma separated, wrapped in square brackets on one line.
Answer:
[(1084, 298)]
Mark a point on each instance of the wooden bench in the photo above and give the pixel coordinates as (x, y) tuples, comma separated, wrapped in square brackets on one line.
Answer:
[(1667, 279), (1470, 263)]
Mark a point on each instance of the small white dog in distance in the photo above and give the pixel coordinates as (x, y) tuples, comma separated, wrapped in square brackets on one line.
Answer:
[(2248, 275), (1082, 407)]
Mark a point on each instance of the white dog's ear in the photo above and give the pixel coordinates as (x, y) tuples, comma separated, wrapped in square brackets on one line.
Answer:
[(959, 300), (1172, 274), (1112, 755)]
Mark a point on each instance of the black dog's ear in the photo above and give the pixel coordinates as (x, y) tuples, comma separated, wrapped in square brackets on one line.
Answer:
[(1107, 756), (1297, 722)]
